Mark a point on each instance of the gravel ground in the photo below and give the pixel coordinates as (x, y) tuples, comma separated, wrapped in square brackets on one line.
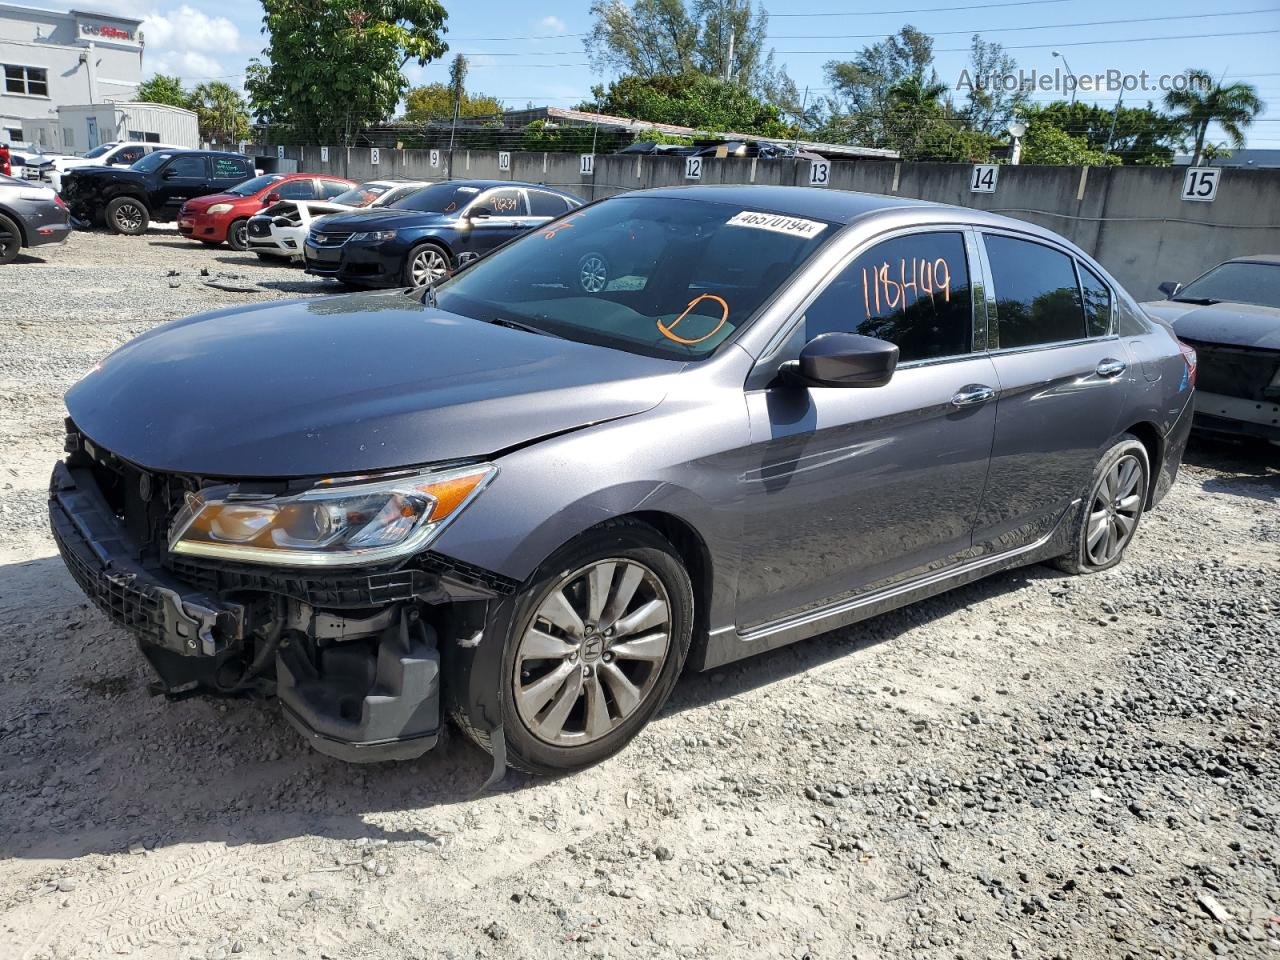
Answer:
[(1031, 766)]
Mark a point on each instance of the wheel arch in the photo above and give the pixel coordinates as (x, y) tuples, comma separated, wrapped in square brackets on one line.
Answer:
[(1149, 436), (23, 241)]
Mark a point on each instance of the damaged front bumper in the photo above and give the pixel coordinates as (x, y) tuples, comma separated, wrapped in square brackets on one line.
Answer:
[(355, 656)]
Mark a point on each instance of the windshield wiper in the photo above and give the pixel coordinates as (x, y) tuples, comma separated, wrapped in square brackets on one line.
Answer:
[(527, 328), (1202, 301)]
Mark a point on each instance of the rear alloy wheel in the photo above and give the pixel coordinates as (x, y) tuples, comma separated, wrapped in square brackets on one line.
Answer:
[(127, 216), (10, 240), (426, 264), (593, 273), (238, 235), (1112, 509)]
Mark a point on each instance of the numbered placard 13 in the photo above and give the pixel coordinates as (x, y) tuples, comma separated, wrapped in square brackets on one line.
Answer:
[(819, 173)]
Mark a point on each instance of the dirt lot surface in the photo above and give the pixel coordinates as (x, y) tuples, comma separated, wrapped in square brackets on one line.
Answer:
[(1032, 766)]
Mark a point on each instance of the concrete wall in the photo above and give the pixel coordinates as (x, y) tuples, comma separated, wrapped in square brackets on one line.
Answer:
[(1132, 219)]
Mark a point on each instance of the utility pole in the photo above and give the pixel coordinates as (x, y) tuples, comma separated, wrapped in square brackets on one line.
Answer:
[(728, 63), (804, 105), (1114, 117)]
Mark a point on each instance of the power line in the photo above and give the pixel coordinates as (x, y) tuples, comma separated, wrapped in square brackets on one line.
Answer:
[(967, 6)]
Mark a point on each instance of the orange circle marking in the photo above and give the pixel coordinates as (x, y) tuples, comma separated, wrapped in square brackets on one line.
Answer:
[(670, 334)]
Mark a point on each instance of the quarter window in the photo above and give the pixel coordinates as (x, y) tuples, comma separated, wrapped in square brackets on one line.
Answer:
[(546, 204), (1097, 303), (1037, 298), (912, 290), (33, 81), (333, 188)]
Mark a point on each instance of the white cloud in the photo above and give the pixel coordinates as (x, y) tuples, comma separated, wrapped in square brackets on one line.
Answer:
[(188, 29), (552, 25), (187, 64)]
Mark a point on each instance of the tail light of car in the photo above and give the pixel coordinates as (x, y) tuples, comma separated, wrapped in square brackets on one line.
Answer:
[(57, 199), (1189, 358)]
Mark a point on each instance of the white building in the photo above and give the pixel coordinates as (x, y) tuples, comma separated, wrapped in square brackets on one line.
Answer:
[(78, 128), (51, 59)]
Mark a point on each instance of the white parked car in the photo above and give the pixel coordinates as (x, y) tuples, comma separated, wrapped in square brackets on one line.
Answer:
[(279, 230), (115, 154)]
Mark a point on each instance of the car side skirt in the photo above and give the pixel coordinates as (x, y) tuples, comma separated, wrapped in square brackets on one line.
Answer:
[(729, 644)]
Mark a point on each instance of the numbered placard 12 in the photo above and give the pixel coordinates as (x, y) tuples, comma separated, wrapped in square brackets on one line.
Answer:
[(693, 168)]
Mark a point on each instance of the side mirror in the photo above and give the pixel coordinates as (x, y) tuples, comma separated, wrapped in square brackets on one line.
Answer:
[(479, 213), (1170, 289), (271, 198), (465, 260), (845, 360)]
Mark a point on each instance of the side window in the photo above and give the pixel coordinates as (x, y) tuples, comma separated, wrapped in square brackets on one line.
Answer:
[(186, 167), (911, 290), (505, 203), (1131, 322), (546, 204), (1097, 303), (297, 190), (1037, 298), (127, 156), (332, 188), (231, 168)]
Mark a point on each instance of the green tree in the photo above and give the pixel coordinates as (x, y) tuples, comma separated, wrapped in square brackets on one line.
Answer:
[(161, 88), (1049, 145), (332, 67), (1232, 106), (1137, 135), (860, 106), (990, 104), (221, 111), (434, 101), (691, 100), (666, 38)]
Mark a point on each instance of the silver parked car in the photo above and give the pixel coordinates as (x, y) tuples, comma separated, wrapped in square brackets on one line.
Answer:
[(30, 216), (530, 503)]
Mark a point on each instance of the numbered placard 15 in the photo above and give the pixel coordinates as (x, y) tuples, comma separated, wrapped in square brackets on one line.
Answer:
[(1201, 184), (587, 164), (983, 179), (693, 168), (504, 160), (819, 173)]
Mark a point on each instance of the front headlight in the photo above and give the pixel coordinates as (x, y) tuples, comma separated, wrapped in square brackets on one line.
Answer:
[(335, 523), (220, 208), (376, 236)]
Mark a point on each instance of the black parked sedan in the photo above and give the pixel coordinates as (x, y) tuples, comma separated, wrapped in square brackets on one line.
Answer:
[(421, 238)]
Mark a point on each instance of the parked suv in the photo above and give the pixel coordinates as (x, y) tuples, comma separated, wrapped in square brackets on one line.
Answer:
[(30, 216), (224, 217), (531, 507), (155, 188)]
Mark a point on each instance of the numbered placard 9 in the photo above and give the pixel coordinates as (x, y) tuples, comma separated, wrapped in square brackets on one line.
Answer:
[(984, 178), (324, 154), (587, 164), (280, 152), (435, 158), (819, 173), (504, 160), (693, 168), (1201, 184), (374, 157)]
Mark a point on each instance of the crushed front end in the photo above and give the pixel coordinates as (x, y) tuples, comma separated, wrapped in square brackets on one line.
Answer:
[(352, 652)]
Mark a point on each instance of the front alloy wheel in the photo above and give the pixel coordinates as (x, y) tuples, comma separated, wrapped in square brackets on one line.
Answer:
[(427, 265), (128, 217), (593, 651)]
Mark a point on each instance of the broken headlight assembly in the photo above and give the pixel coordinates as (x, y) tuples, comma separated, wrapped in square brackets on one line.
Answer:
[(340, 522)]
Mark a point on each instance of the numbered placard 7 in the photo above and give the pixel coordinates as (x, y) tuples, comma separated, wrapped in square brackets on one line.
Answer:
[(1201, 184), (819, 173), (984, 178)]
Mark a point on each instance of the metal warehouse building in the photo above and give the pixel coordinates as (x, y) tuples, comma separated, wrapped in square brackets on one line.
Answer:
[(50, 59), (82, 127)]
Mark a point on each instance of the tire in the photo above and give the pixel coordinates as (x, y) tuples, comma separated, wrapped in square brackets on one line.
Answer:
[(238, 234), (10, 240), (594, 273), (425, 262), (548, 722), (128, 216), (1112, 508)]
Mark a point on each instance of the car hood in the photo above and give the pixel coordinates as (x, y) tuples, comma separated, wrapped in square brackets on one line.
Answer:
[(382, 218), (1234, 324), (200, 204), (347, 384)]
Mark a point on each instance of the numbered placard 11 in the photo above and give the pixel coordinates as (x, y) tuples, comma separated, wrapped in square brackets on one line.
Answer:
[(693, 168), (587, 164), (819, 173), (984, 177), (1201, 184)]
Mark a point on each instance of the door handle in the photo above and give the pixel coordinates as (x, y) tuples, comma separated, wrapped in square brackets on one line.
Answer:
[(973, 394), (1110, 367)]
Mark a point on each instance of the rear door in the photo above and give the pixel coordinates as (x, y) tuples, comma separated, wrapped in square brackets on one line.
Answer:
[(186, 175), (846, 490), (1063, 377)]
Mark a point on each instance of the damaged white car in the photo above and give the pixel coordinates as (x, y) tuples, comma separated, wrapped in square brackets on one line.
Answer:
[(279, 230)]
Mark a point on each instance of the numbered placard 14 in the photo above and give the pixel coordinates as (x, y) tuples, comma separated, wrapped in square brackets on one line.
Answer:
[(983, 179)]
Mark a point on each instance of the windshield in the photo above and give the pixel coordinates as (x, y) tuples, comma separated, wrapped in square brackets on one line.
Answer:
[(1257, 283), (362, 195), (98, 151), (250, 187), (653, 275), (151, 161), (437, 198)]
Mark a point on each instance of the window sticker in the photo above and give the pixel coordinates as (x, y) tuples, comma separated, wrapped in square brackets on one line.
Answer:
[(778, 223), (888, 284)]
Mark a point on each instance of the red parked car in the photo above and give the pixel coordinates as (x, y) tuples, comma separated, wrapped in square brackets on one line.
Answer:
[(5, 167), (224, 217)]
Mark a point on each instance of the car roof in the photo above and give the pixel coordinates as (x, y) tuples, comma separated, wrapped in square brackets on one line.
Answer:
[(486, 184), (1271, 258), (840, 206)]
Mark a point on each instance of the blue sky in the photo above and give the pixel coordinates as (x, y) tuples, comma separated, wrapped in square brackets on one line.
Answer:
[(522, 52)]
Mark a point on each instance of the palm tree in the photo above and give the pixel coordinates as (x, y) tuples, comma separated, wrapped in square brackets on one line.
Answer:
[(913, 104), (1233, 107)]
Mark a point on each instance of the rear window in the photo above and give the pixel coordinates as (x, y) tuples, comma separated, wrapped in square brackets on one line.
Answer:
[(1037, 298), (438, 198)]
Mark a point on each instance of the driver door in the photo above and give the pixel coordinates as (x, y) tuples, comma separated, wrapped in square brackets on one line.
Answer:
[(851, 489)]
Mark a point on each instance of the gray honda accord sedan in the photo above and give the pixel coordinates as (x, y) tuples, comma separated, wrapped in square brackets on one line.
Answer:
[(664, 432)]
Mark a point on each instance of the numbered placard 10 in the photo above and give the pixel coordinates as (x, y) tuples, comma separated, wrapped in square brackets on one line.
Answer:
[(1201, 184), (984, 177), (504, 160), (693, 168), (587, 164)]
